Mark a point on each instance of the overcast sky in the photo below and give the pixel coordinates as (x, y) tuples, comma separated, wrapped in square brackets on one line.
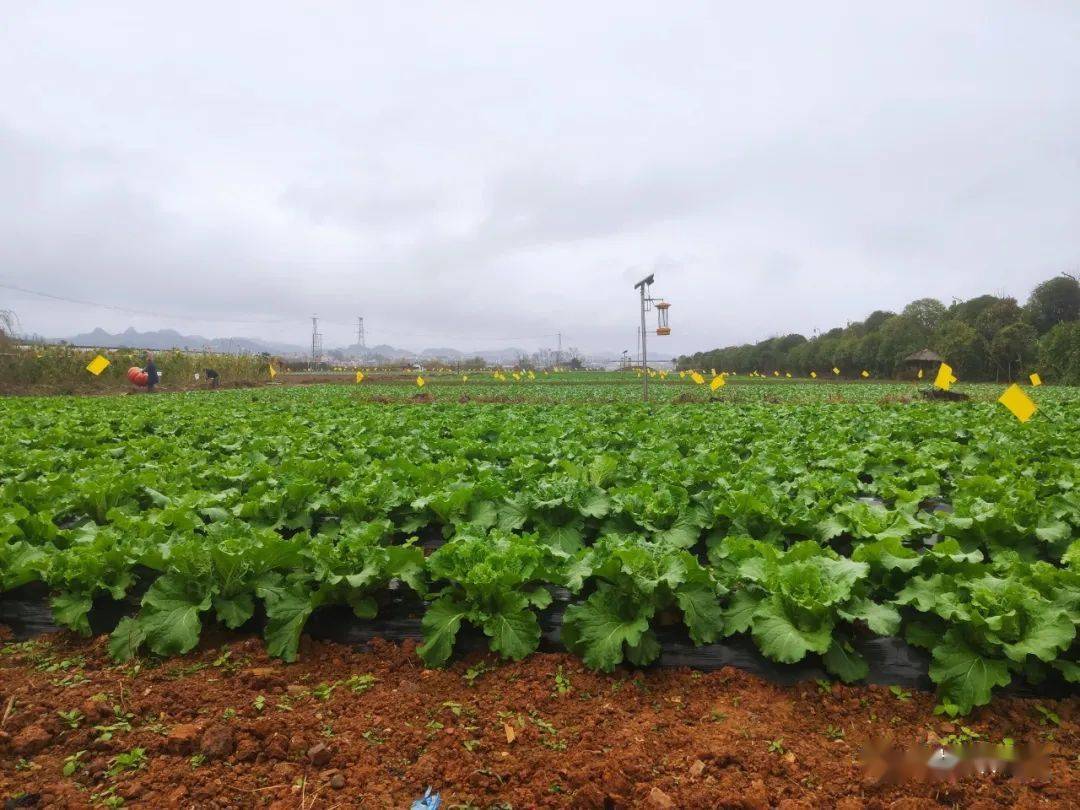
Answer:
[(478, 174)]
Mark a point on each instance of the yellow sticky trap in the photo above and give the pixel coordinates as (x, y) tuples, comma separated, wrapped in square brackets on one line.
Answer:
[(419, 381), (464, 377), (697, 378), (97, 365), (273, 373), (532, 376), (944, 377), (813, 375), (776, 373), (920, 374), (835, 370), (682, 375), (1018, 402), (865, 374), (787, 374), (517, 376), (717, 382), (1036, 380), (359, 376)]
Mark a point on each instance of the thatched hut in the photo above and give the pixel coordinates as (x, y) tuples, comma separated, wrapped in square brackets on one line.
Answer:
[(925, 360)]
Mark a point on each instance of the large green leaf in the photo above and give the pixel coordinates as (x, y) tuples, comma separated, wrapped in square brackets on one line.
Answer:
[(702, 614), (842, 660), (514, 634), (234, 610), (125, 640), (287, 610), (602, 625), (170, 617), (964, 676), (739, 614), (882, 619), (780, 639), (645, 651), (72, 610), (1069, 670), (1051, 633), (441, 623)]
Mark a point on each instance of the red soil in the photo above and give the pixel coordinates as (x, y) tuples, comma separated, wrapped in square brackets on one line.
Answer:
[(227, 727)]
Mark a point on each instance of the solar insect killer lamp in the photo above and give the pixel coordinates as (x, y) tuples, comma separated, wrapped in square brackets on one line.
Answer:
[(662, 327)]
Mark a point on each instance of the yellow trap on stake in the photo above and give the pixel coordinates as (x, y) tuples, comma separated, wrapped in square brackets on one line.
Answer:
[(1018, 402), (97, 365)]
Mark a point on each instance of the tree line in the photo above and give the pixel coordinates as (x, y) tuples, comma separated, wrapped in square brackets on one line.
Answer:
[(983, 338)]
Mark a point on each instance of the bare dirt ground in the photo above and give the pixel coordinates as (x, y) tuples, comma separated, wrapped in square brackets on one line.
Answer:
[(227, 727)]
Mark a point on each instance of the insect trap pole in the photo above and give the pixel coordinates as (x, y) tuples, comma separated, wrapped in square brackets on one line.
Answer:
[(643, 286)]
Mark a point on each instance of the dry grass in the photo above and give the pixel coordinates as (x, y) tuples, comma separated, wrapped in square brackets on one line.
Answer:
[(62, 369)]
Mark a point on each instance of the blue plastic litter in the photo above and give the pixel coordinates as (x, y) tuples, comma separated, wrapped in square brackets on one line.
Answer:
[(427, 801)]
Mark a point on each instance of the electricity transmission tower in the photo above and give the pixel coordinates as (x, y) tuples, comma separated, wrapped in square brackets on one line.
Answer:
[(360, 332), (316, 342)]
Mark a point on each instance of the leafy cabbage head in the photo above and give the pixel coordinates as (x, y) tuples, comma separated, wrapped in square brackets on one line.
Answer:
[(498, 561)]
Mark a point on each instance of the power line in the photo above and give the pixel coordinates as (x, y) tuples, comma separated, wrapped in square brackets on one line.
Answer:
[(132, 311), (173, 317)]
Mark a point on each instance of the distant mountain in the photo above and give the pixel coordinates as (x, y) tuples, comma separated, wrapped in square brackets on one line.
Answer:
[(385, 352), (171, 339)]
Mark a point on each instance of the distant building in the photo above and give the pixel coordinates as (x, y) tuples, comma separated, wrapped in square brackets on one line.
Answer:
[(925, 360)]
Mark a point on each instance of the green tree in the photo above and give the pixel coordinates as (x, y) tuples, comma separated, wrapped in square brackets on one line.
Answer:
[(804, 357), (8, 325), (900, 336), (1053, 302), (1059, 353), (866, 354), (969, 311), (962, 347), (845, 354), (929, 313), (1002, 313), (976, 335), (876, 320), (1014, 348)]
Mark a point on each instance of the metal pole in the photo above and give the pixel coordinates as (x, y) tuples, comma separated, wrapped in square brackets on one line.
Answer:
[(644, 353), (643, 285)]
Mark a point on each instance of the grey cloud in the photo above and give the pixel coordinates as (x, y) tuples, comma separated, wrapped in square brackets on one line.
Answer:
[(459, 175), (354, 206)]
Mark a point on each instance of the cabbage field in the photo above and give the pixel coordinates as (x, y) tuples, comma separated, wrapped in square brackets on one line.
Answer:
[(805, 517)]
